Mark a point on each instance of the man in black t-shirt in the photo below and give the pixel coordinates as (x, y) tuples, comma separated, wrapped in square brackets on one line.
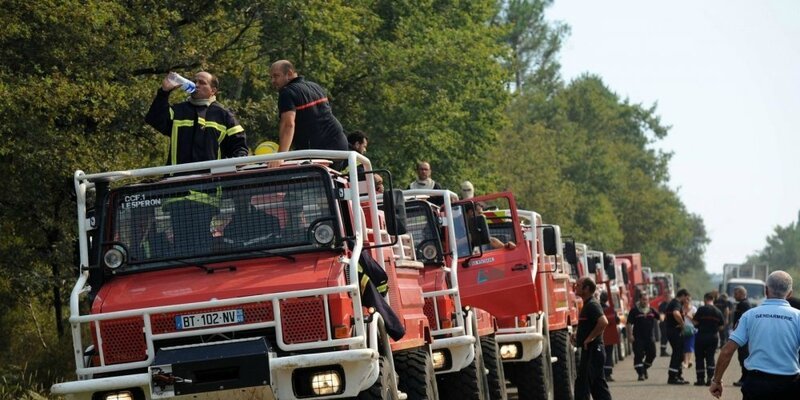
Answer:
[(709, 321), (724, 306), (740, 295), (643, 318), (591, 324), (674, 321), (306, 120)]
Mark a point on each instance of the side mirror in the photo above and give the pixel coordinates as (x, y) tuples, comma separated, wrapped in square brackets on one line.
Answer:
[(625, 278), (395, 203), (549, 240), (570, 253), (480, 231), (608, 265), (593, 261)]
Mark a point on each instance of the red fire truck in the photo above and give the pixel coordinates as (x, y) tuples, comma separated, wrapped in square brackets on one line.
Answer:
[(464, 343), (228, 279)]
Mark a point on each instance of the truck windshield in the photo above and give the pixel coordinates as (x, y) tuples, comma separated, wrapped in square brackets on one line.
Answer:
[(423, 228), (754, 290), (222, 217)]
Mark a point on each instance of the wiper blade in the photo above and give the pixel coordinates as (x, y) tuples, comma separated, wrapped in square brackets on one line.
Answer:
[(204, 267), (271, 254)]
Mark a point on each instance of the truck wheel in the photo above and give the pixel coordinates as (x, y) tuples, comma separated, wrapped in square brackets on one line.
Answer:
[(467, 384), (416, 376), (497, 377), (382, 388), (564, 370), (533, 379)]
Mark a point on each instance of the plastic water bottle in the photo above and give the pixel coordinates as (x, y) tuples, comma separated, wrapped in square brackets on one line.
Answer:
[(186, 84)]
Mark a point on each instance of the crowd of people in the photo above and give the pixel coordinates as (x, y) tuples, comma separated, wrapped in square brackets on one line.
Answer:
[(766, 340)]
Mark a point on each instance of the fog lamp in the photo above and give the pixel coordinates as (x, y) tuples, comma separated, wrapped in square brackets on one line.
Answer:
[(509, 351), (326, 382), (439, 359), (124, 395)]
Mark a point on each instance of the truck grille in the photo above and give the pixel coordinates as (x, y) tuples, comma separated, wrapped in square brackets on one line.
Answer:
[(303, 320), (123, 340)]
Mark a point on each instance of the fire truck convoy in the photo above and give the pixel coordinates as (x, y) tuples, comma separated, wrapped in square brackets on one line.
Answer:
[(228, 279)]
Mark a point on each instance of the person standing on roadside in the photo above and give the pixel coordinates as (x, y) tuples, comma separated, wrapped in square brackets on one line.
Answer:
[(709, 322), (674, 320), (643, 318), (724, 306), (740, 295), (772, 333), (306, 119), (589, 336), (662, 327)]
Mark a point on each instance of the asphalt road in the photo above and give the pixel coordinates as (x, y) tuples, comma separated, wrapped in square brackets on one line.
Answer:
[(627, 387)]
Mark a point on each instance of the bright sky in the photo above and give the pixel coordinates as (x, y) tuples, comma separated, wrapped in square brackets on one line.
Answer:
[(726, 77)]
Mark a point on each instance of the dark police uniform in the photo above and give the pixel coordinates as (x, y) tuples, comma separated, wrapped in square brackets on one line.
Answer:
[(644, 347), (724, 307), (591, 379), (744, 351), (315, 125), (772, 332), (675, 341), (662, 327), (709, 319)]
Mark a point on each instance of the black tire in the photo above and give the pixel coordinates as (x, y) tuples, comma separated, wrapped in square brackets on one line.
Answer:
[(416, 376), (467, 384), (564, 370), (533, 379), (382, 388), (492, 361)]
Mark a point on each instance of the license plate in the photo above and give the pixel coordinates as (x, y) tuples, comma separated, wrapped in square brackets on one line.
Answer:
[(203, 320)]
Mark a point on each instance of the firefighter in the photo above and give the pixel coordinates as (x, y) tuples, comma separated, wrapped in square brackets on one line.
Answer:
[(200, 129), (592, 322), (644, 319), (675, 321), (709, 321)]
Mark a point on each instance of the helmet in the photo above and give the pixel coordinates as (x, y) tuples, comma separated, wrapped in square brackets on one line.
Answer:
[(267, 147)]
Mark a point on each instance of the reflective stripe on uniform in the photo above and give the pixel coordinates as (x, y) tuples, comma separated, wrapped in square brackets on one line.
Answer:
[(173, 156)]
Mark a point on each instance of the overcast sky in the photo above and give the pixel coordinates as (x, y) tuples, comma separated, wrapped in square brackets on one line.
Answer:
[(726, 77)]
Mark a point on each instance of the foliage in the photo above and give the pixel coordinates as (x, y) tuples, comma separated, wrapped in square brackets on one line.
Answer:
[(586, 163), (782, 251)]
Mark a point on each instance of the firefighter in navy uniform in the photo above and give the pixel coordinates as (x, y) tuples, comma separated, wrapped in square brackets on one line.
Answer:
[(674, 320), (709, 320), (644, 319), (591, 323), (306, 119), (200, 129)]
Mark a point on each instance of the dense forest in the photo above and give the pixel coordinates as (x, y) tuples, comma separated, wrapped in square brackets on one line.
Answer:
[(473, 86)]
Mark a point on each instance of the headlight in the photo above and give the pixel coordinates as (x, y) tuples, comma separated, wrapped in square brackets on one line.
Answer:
[(439, 359), (115, 257), (125, 395), (509, 351), (323, 234), (429, 252), (327, 382)]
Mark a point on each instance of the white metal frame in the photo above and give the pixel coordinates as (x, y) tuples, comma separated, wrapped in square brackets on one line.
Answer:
[(362, 354)]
